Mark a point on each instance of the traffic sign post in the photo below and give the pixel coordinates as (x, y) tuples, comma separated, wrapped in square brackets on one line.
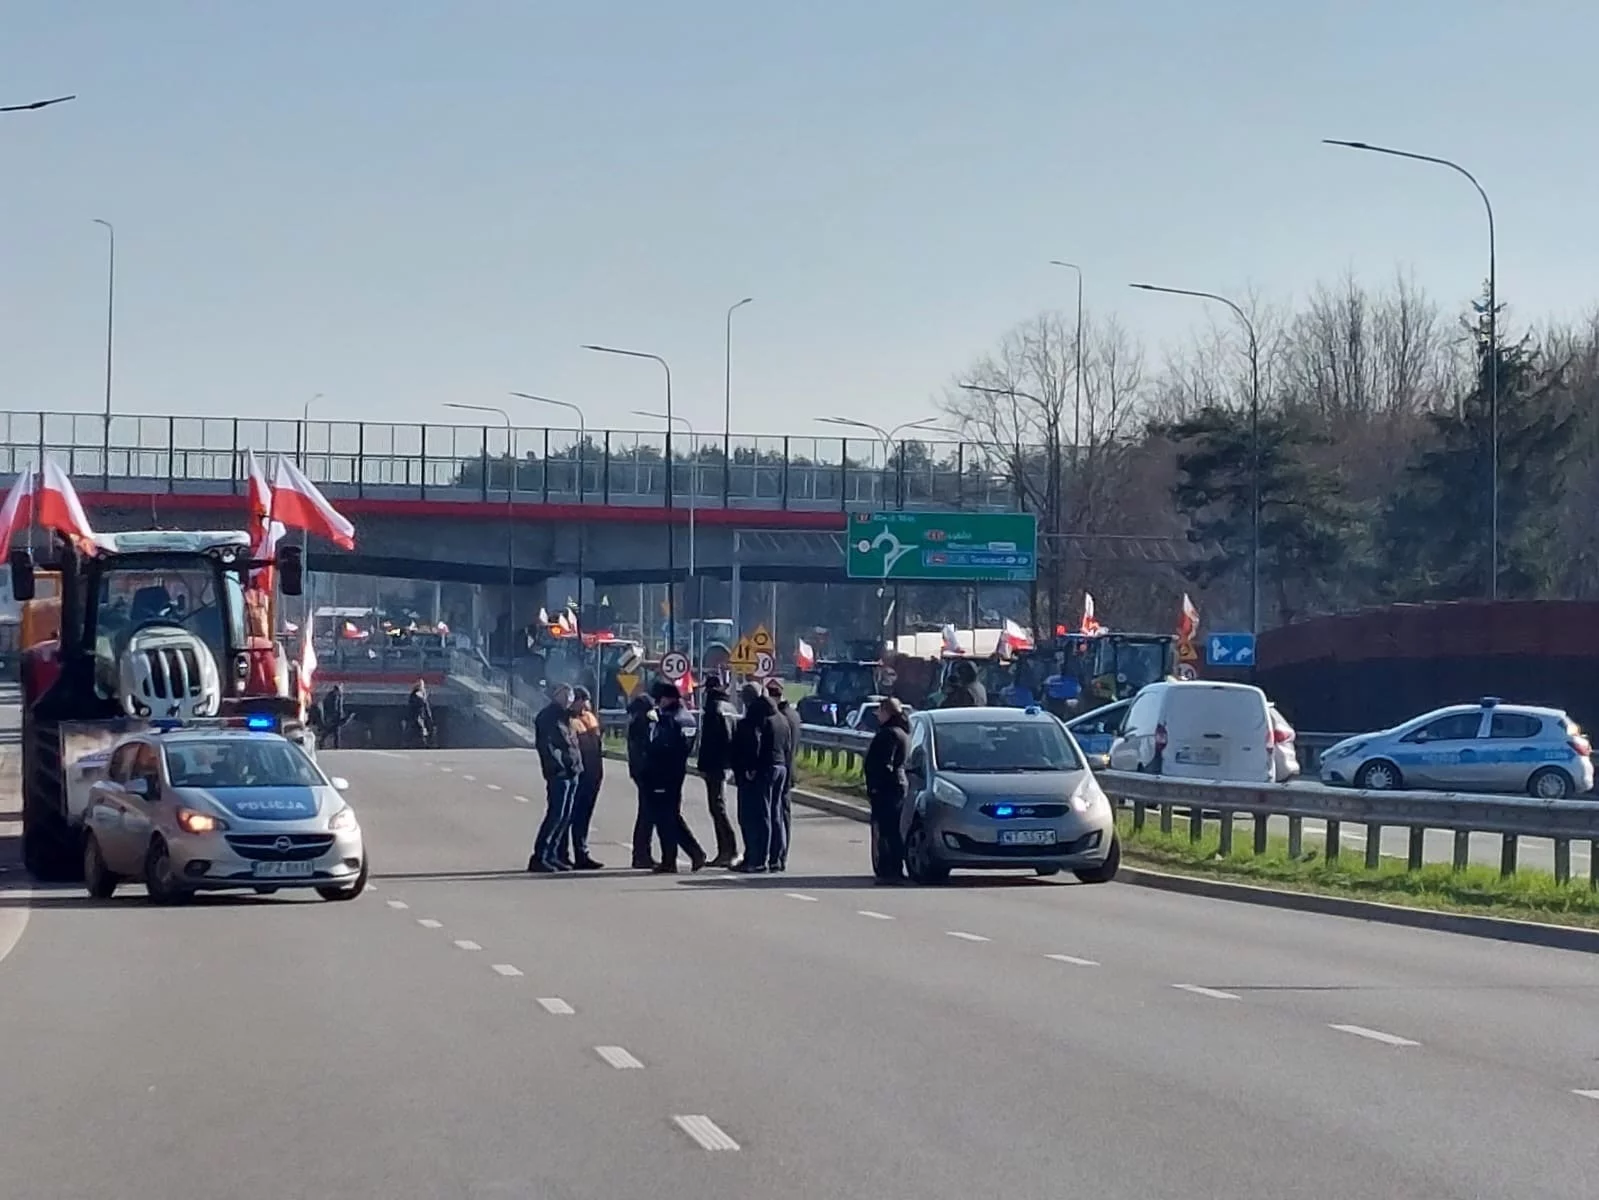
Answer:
[(975, 547), (675, 666), (1230, 649), (761, 640), (743, 656)]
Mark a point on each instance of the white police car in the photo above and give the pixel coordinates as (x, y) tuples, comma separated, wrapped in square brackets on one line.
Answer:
[(1483, 747)]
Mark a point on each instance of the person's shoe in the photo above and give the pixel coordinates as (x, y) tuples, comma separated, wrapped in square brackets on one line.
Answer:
[(558, 865), (696, 863), (664, 869), (751, 868), (539, 867), (644, 864), (566, 864), (721, 860), (588, 864)]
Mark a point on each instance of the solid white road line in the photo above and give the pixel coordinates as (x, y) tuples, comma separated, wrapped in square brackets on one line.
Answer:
[(1204, 991), (13, 921), (1590, 1094), (1376, 1035), (463, 944), (800, 896), (619, 1058), (965, 937), (876, 916), (1075, 961), (506, 969), (554, 1004), (430, 923), (706, 1132), (398, 904), (494, 787)]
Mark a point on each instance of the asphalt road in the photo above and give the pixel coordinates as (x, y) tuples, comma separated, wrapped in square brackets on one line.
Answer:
[(470, 1031)]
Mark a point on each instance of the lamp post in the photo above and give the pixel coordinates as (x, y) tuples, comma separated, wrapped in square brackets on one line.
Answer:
[(1493, 342), (510, 541), (727, 402), (1077, 386), (1254, 437), (671, 552), (699, 596), (110, 324), (305, 450), (582, 446)]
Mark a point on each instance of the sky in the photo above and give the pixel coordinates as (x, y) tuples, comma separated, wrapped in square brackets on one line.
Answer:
[(394, 204)]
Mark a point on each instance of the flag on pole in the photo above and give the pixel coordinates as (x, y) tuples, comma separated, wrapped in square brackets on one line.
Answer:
[(60, 509), (1014, 637), (17, 512), (1090, 625), (299, 504), (1187, 621)]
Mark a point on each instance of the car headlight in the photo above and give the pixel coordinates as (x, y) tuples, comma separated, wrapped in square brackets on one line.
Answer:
[(1346, 750), (1087, 797), (946, 792), (342, 820), (191, 820)]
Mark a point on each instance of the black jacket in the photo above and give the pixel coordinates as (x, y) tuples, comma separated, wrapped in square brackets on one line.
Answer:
[(417, 709), (671, 744), (333, 706), (716, 736), (965, 695), (884, 765), (762, 742), (556, 741), (640, 722), (796, 729)]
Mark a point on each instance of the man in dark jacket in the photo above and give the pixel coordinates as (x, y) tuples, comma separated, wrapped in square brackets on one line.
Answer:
[(562, 762), (796, 727), (716, 746), (334, 718), (665, 767), (965, 690), (419, 713), (640, 724), (586, 725), (884, 768), (760, 758)]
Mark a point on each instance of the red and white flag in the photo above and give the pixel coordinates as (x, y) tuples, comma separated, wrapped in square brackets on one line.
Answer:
[(298, 504), (307, 671), (1090, 625), (1014, 637), (1187, 621), (17, 512), (61, 510), (804, 656), (264, 532)]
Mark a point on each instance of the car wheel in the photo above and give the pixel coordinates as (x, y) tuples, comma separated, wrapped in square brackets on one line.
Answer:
[(346, 893), (97, 878), (160, 880), (1047, 871), (919, 862), (1551, 783), (1106, 871), (1379, 775)]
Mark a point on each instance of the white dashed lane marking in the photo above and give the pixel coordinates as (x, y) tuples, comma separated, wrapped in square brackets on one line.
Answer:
[(1591, 1095), (554, 1004), (619, 1058), (1073, 959), (430, 923), (506, 969), (965, 937), (470, 778), (706, 1132), (1204, 991), (447, 769), (523, 800), (494, 787), (876, 916), (800, 896), (463, 944), (398, 904), (1375, 1035)]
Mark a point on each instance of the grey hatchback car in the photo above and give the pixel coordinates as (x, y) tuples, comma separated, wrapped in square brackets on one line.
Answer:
[(1001, 789)]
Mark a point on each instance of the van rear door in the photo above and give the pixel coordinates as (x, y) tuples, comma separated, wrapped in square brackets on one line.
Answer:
[(1214, 731)]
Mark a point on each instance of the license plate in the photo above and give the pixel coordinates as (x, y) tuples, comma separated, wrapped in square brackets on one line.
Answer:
[(1199, 756), (284, 870), (1026, 837)]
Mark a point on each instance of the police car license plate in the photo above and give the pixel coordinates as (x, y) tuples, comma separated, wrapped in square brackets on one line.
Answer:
[(1026, 837), (283, 870)]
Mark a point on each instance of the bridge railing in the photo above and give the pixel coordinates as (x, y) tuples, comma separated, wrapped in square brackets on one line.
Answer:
[(474, 462)]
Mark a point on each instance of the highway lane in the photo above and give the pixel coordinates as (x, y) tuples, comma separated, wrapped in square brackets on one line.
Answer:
[(471, 1031)]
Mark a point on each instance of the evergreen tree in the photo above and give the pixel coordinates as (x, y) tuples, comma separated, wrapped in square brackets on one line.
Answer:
[(1434, 536)]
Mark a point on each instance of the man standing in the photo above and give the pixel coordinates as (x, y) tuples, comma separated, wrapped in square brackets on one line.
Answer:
[(884, 768), (641, 717), (586, 725), (562, 762), (760, 759), (665, 768), (716, 744), (333, 715), (790, 716), (419, 714)]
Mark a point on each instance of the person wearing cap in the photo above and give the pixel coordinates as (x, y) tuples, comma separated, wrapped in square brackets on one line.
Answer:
[(760, 757), (782, 831), (886, 787), (586, 724), (562, 763), (716, 743), (665, 768), (641, 717)]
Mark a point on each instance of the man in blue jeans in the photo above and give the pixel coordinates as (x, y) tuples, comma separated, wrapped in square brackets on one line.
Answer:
[(562, 762)]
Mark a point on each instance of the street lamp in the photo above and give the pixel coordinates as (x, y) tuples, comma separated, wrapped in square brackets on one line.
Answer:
[(510, 539), (1254, 438), (110, 322), (693, 440), (671, 540), (886, 436), (305, 451), (35, 105), (1493, 343), (1077, 397), (727, 402), (582, 446)]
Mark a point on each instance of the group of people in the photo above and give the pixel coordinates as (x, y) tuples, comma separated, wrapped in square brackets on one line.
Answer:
[(754, 748)]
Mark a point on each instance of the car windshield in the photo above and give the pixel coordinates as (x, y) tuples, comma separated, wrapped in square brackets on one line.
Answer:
[(183, 591), (240, 763), (1000, 746)]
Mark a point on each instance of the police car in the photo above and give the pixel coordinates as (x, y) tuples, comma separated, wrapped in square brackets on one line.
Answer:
[(1484, 747)]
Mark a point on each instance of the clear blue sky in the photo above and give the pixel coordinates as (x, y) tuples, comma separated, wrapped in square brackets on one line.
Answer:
[(398, 204)]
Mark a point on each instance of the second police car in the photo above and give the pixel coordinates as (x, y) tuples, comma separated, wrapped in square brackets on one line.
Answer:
[(1483, 747)]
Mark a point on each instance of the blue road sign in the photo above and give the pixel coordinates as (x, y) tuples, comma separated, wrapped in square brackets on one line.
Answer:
[(1230, 650)]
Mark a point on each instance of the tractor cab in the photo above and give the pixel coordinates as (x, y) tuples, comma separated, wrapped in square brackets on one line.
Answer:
[(1087, 671), (841, 688)]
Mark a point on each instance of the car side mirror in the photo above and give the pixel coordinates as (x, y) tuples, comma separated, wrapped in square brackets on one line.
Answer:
[(1423, 736), (138, 787), (291, 570), (340, 783), (22, 584)]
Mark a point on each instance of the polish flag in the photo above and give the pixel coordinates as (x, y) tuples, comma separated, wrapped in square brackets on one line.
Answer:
[(60, 509), (1014, 637), (307, 666), (298, 504), (264, 532), (17, 512), (544, 615), (1187, 622), (804, 656), (1090, 625), (569, 620), (952, 642)]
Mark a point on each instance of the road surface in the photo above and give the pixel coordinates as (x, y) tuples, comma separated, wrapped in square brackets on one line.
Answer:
[(469, 1031)]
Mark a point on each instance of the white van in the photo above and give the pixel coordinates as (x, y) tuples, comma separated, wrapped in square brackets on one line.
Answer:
[(1197, 730)]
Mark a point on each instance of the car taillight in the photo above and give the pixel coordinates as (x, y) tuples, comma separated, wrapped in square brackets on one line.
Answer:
[(1581, 745), (1160, 737), (1281, 734)]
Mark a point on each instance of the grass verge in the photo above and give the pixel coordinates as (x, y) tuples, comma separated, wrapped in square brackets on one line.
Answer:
[(1529, 895)]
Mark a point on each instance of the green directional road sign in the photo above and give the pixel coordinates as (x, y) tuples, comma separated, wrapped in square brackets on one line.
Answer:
[(992, 547)]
